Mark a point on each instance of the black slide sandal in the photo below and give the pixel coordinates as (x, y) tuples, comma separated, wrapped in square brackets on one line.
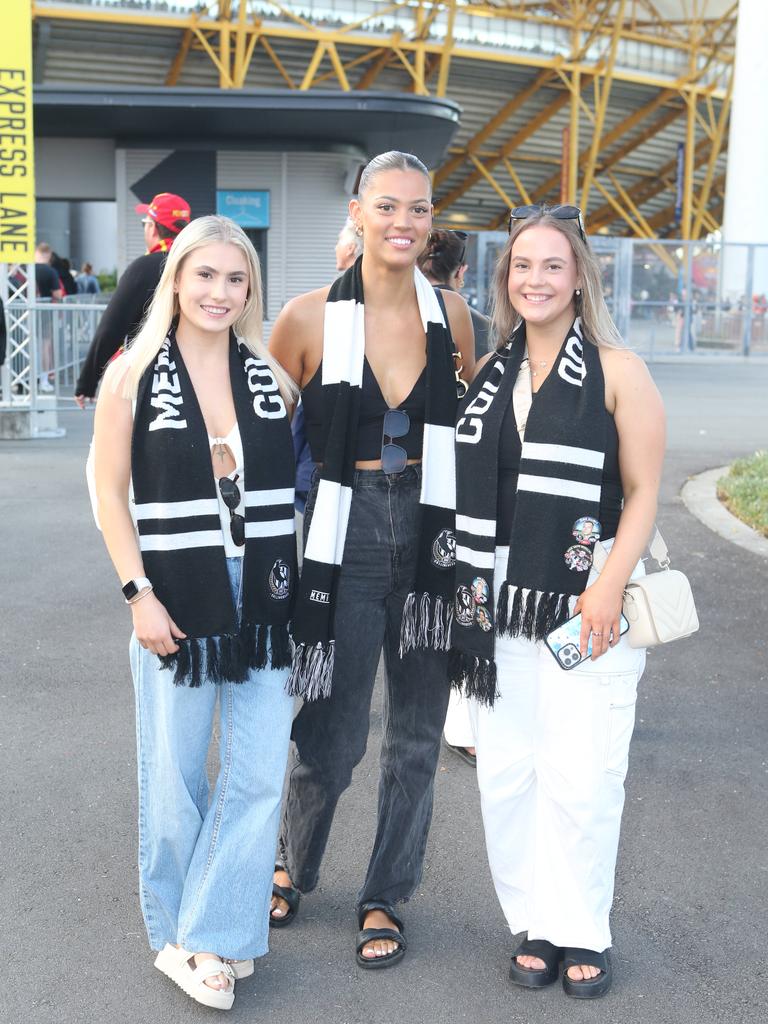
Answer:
[(592, 988), (366, 935), (291, 895), (528, 977)]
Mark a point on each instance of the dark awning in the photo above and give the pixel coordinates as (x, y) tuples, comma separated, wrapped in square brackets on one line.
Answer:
[(370, 122)]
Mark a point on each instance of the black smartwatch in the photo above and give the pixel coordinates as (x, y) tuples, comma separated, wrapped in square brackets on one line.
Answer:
[(134, 587)]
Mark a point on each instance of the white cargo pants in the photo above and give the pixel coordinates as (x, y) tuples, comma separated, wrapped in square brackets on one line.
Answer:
[(552, 755)]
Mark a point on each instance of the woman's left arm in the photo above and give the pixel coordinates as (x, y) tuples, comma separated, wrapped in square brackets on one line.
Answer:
[(460, 322), (640, 423)]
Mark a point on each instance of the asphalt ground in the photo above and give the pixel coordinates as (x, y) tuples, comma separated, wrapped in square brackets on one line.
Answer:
[(692, 890)]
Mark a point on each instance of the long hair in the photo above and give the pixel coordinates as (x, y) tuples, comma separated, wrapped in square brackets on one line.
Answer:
[(165, 304), (598, 324)]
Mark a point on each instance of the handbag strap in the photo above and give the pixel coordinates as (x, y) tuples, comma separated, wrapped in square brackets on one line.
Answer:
[(657, 549)]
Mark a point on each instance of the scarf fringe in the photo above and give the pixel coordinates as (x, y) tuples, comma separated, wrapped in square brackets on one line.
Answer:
[(473, 676), (312, 670), (426, 623), (228, 659), (531, 614)]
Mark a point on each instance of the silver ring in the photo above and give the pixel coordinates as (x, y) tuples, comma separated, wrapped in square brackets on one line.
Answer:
[(596, 634)]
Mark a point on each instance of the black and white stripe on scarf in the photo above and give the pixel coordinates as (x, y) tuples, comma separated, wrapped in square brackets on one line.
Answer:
[(177, 516), (429, 608), (559, 482)]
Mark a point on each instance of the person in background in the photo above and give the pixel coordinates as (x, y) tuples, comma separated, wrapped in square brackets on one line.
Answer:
[(443, 264), (48, 286), (86, 281), (63, 268), (163, 219), (349, 245)]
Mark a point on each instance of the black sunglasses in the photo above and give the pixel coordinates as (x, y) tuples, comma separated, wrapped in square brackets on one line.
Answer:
[(230, 494), (397, 423), (558, 212)]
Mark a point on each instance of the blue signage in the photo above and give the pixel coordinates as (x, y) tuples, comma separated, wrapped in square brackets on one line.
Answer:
[(248, 209)]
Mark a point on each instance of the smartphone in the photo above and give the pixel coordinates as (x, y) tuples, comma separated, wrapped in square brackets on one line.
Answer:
[(563, 641)]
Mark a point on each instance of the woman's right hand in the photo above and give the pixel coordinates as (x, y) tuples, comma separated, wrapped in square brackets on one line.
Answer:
[(155, 629)]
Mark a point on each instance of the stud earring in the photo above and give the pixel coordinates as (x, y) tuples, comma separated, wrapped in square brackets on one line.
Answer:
[(359, 230), (578, 293)]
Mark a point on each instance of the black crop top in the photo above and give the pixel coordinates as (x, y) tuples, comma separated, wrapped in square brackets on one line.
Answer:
[(373, 406), (611, 496)]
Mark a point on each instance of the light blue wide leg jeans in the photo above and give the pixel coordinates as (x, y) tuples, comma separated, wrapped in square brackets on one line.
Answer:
[(206, 863)]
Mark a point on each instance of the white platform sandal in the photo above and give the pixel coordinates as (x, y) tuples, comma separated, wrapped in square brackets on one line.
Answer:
[(241, 968), (175, 964)]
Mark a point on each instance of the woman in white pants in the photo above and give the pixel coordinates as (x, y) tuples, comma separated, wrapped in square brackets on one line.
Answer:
[(568, 427)]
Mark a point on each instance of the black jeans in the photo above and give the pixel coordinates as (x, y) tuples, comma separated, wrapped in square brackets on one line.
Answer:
[(330, 736)]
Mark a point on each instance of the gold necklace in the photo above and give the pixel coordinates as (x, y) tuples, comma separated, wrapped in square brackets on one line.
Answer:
[(541, 363)]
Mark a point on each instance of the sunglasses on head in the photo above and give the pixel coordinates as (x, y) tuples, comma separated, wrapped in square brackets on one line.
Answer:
[(462, 237), (230, 495), (558, 212)]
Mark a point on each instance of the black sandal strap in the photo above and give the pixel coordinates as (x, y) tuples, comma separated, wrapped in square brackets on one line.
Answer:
[(290, 895), (551, 955), (367, 935), (575, 957), (367, 907)]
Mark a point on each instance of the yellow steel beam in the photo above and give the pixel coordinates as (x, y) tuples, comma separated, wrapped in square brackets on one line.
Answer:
[(181, 55), (338, 67), (509, 108), (225, 81), (373, 72), (491, 181), (717, 143), (602, 105), (516, 179), (445, 57), (269, 49), (314, 64), (418, 82), (509, 146), (642, 229)]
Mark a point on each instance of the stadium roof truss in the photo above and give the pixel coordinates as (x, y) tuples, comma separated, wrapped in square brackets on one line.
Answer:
[(618, 105)]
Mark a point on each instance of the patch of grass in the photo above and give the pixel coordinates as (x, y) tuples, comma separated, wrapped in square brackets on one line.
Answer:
[(744, 491)]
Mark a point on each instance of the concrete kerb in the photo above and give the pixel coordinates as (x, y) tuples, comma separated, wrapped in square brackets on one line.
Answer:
[(700, 497)]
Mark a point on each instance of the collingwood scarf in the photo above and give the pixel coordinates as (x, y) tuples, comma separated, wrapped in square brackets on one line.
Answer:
[(559, 483), (428, 611), (177, 515)]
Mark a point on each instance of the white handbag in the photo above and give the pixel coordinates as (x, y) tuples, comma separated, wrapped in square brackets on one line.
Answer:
[(659, 607)]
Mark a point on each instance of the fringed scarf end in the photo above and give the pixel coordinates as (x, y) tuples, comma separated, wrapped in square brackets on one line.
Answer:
[(532, 614), (473, 676), (228, 659), (426, 623), (312, 671)]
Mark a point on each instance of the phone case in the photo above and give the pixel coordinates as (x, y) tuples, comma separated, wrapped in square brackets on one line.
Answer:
[(563, 642)]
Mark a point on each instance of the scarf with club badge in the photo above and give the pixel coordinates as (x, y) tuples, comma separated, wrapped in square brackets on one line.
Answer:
[(559, 482), (177, 515), (429, 608)]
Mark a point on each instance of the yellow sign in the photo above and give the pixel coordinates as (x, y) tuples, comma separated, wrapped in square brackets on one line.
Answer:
[(17, 166)]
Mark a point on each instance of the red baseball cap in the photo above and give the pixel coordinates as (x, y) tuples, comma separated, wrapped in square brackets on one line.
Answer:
[(166, 209)]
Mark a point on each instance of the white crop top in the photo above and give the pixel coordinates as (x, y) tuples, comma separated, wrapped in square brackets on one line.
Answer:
[(235, 444)]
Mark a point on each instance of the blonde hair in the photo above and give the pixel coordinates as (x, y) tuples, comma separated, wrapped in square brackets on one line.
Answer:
[(597, 322), (165, 305)]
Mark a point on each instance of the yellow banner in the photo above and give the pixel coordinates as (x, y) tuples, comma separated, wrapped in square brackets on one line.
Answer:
[(17, 166)]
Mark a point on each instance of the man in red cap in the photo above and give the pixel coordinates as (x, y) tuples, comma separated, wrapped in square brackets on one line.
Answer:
[(163, 219)]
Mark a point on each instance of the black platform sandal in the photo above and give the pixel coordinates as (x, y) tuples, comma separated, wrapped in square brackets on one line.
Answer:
[(366, 935), (530, 977), (291, 895), (591, 988)]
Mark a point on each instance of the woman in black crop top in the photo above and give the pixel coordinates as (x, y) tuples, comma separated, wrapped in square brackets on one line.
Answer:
[(372, 566), (560, 443)]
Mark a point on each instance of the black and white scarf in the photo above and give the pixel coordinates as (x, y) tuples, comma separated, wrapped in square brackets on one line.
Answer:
[(177, 515), (428, 611), (559, 484)]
